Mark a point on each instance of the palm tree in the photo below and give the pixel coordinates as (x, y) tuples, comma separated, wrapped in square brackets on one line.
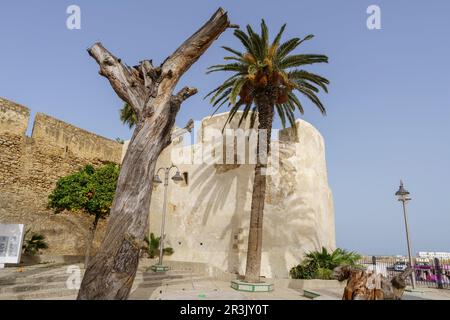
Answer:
[(331, 260), (33, 243), (152, 247), (128, 116), (266, 77)]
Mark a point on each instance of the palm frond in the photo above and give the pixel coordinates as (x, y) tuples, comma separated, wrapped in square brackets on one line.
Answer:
[(239, 54), (128, 116), (314, 99), (287, 47), (245, 40), (301, 60), (308, 76), (277, 39), (239, 67)]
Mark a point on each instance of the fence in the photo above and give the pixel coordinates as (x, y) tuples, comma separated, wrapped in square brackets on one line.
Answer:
[(431, 273)]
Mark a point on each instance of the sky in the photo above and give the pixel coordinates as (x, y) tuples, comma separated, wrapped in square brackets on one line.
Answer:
[(388, 105)]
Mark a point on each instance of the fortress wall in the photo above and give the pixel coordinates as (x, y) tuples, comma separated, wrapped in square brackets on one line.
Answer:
[(13, 117), (50, 131), (30, 168), (13, 125)]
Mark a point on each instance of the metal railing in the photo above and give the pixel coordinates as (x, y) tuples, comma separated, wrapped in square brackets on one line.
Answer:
[(430, 273)]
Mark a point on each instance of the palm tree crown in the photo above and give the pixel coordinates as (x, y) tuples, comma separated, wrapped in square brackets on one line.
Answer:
[(128, 116), (268, 71)]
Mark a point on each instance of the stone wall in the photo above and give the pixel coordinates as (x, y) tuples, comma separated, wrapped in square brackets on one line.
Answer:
[(30, 167)]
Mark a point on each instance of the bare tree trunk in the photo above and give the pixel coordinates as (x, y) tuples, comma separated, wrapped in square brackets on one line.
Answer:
[(90, 240), (148, 90), (362, 285), (254, 250)]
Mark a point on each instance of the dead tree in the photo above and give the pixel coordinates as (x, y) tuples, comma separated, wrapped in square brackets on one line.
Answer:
[(149, 92), (363, 285)]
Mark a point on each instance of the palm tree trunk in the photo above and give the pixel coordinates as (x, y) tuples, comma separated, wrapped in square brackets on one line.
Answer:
[(90, 240), (254, 251)]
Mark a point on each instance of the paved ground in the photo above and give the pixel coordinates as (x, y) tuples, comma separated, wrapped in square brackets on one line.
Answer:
[(211, 290), (51, 282)]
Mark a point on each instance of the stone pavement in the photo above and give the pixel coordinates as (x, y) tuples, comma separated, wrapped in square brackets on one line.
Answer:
[(212, 290), (51, 282)]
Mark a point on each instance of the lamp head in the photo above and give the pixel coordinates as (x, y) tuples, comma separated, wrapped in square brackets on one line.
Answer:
[(157, 179), (177, 177), (402, 193)]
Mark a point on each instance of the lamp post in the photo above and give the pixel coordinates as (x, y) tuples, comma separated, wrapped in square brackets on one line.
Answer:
[(403, 196), (177, 177)]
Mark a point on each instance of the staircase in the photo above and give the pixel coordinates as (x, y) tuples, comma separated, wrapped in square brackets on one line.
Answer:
[(49, 282)]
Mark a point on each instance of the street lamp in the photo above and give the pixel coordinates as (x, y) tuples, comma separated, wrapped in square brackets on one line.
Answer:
[(177, 177), (403, 196)]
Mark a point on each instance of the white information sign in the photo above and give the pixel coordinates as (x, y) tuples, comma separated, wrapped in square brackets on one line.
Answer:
[(11, 239)]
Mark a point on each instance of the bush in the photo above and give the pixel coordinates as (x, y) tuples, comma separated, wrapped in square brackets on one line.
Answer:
[(323, 273), (302, 271), (320, 264), (152, 247), (33, 243), (91, 191)]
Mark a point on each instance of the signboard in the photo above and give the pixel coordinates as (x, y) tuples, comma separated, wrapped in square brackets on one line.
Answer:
[(11, 239)]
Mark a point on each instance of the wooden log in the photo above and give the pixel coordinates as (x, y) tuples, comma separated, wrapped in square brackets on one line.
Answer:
[(364, 285)]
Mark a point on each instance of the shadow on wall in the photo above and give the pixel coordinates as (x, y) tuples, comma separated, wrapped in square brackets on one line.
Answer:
[(290, 225), (216, 183)]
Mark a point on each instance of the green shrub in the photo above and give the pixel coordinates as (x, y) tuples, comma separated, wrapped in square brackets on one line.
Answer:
[(323, 273), (91, 191), (320, 264), (33, 243), (302, 271), (152, 247)]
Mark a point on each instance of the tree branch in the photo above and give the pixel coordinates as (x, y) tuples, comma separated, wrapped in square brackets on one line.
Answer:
[(184, 94), (125, 81), (179, 132), (189, 52)]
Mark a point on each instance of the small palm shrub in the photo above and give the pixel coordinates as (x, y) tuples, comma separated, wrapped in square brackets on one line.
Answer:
[(320, 264), (152, 247), (33, 243)]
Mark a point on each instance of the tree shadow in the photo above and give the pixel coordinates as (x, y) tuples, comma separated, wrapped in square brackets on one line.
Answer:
[(217, 182)]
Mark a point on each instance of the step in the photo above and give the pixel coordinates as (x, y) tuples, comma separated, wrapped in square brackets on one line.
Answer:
[(167, 276), (33, 280), (149, 282), (34, 273), (24, 288), (40, 294), (160, 283)]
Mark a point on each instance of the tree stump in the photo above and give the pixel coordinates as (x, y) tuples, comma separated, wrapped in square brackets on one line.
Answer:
[(364, 285)]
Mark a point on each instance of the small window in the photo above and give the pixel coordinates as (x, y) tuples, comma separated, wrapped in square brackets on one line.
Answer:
[(186, 177)]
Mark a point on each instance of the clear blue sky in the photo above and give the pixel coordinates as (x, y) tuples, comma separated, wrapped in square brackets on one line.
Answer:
[(388, 107)]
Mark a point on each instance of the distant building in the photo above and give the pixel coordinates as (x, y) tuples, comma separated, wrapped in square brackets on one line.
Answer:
[(432, 255)]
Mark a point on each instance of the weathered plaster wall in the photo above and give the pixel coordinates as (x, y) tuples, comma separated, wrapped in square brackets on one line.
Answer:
[(30, 167), (208, 217)]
